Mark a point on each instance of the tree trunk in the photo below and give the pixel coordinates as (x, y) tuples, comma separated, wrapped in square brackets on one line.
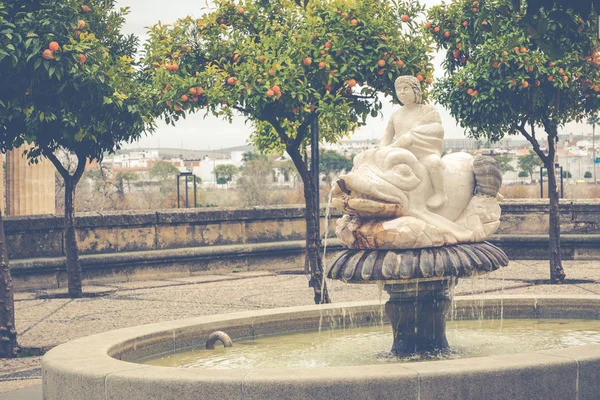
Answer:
[(8, 334), (73, 265), (313, 241), (72, 250), (557, 273)]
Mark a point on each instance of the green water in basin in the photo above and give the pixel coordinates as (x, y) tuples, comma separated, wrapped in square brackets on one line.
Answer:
[(371, 345)]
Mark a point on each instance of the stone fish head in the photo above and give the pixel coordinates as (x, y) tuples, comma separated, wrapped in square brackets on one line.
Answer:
[(382, 175)]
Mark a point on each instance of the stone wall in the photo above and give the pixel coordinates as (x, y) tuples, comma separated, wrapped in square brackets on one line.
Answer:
[(167, 243)]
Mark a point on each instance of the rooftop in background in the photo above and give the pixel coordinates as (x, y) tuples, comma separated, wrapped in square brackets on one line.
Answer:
[(188, 154)]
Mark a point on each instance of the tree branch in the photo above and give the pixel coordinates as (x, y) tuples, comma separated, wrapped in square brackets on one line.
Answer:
[(362, 97), (57, 164), (81, 161), (302, 130), (279, 129), (244, 110), (533, 141)]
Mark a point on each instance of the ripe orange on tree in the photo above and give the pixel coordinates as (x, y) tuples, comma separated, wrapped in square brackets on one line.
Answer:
[(321, 65), (82, 58), (353, 22), (54, 46), (270, 93), (85, 9), (48, 54), (352, 82), (470, 91), (436, 29), (525, 84), (405, 18), (381, 63), (231, 80), (193, 91), (81, 24), (428, 25), (184, 98), (419, 77), (447, 34), (307, 61)]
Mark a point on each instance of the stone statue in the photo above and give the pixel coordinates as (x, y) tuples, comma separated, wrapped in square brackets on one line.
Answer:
[(418, 128), (395, 197)]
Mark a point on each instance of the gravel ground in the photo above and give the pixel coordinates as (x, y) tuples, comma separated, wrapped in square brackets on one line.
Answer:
[(43, 321)]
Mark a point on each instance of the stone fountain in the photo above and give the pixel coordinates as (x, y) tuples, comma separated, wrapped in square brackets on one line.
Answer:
[(416, 221)]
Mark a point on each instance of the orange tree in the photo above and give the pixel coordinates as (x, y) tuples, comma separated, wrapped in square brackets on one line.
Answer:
[(510, 72), (284, 65), (68, 81)]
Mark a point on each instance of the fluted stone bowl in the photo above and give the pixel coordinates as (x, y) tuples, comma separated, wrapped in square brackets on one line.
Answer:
[(371, 265)]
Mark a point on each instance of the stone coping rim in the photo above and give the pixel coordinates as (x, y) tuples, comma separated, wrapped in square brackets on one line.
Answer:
[(95, 351)]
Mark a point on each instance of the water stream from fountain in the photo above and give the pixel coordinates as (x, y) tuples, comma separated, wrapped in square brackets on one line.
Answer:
[(326, 234), (325, 237)]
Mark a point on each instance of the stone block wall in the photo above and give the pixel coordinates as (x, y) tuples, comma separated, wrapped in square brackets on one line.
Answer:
[(135, 245)]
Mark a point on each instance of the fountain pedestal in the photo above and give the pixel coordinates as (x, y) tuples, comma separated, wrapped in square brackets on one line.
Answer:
[(417, 281), (417, 312)]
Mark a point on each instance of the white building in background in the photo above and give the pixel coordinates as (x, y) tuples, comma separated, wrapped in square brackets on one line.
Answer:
[(134, 160), (206, 168)]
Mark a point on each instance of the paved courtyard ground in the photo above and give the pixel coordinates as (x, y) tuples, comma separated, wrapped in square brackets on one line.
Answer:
[(43, 322)]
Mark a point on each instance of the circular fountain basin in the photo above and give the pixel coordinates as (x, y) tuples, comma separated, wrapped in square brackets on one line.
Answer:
[(103, 366)]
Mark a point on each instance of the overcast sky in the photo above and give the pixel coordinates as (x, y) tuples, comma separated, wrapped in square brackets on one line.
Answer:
[(198, 133)]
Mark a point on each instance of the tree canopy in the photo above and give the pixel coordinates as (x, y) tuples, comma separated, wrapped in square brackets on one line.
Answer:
[(505, 74), (280, 64), (68, 78)]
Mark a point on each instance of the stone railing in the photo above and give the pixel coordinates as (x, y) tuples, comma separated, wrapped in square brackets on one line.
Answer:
[(143, 244)]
